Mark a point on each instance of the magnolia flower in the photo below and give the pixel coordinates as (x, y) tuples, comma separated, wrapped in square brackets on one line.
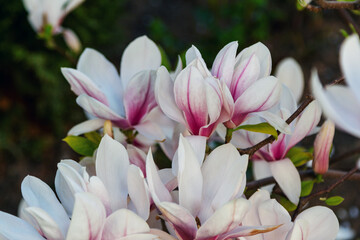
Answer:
[(207, 204), (289, 72), (322, 147), (271, 159), (126, 100), (43, 217), (341, 104), (192, 97), (49, 12), (247, 86), (315, 223)]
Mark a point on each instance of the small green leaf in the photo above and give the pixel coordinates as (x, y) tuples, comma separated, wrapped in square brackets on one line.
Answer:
[(344, 33), (261, 128), (81, 145), (306, 187), (94, 137), (299, 156), (289, 206), (334, 201)]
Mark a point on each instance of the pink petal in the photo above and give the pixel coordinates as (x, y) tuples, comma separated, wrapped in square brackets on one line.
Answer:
[(190, 97), (225, 219), (260, 96), (81, 84), (245, 74), (223, 66), (288, 178), (180, 219), (262, 53), (141, 54), (112, 163), (139, 97), (88, 218), (137, 157), (308, 120)]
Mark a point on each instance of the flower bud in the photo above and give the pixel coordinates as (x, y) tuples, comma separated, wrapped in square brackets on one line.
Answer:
[(322, 147), (72, 40)]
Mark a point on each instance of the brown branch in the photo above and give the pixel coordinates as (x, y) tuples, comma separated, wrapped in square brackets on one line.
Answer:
[(251, 150), (304, 201), (348, 18), (324, 4), (337, 81)]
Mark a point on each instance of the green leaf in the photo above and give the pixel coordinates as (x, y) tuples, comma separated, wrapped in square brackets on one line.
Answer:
[(299, 156), (261, 128), (94, 137), (334, 201), (289, 206), (306, 187), (344, 33), (81, 145)]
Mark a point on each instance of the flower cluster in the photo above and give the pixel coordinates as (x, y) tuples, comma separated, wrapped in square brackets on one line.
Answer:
[(120, 193)]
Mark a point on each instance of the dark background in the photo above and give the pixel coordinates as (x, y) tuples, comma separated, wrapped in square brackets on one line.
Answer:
[(37, 107)]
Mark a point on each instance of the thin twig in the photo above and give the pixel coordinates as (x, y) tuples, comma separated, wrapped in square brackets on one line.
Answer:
[(337, 81), (304, 201), (251, 150), (324, 4), (348, 18)]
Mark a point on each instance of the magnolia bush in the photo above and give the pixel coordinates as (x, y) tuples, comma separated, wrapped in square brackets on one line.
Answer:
[(217, 126)]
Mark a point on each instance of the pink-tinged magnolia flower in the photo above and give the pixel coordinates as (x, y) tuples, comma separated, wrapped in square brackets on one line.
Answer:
[(44, 218), (207, 204), (341, 104), (49, 12), (322, 147), (315, 223), (271, 160), (289, 72), (117, 183), (193, 98), (127, 100), (247, 86)]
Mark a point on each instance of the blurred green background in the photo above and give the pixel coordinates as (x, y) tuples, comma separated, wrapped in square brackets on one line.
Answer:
[(37, 107)]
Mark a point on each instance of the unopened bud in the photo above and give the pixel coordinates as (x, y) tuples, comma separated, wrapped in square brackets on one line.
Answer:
[(322, 147), (72, 40)]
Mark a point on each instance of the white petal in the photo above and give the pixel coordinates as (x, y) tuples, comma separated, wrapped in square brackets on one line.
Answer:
[(335, 102), (88, 218), (150, 130), (191, 54), (97, 187), (141, 54), (276, 121), (289, 72), (112, 163), (86, 126), (349, 60), (10, 225), (288, 178), (138, 191), (189, 178), (123, 223), (37, 194)]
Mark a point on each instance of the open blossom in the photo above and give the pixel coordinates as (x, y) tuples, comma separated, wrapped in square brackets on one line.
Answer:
[(315, 223), (208, 203), (322, 147), (341, 104), (271, 159), (247, 85), (127, 100)]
